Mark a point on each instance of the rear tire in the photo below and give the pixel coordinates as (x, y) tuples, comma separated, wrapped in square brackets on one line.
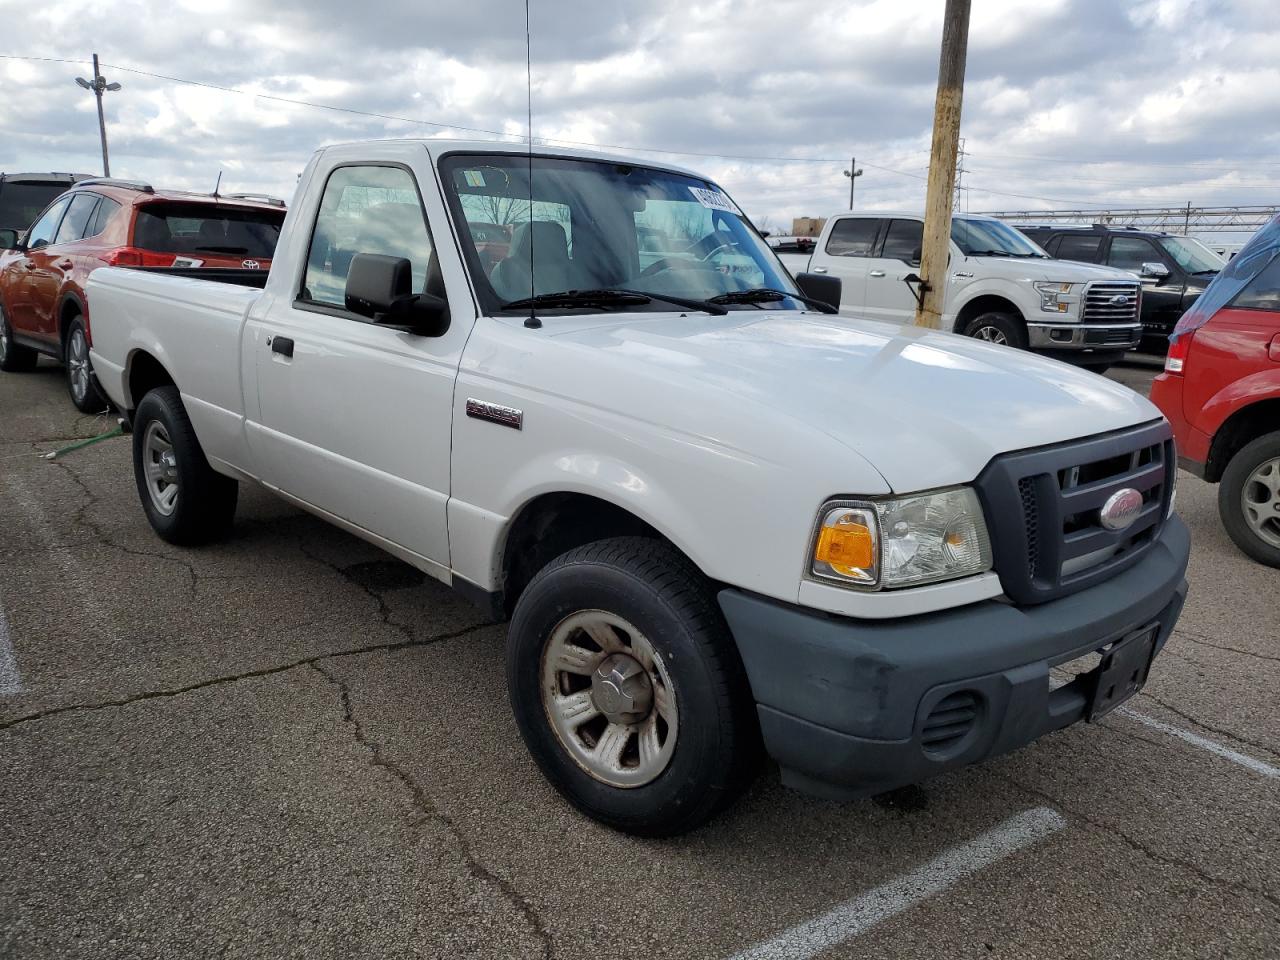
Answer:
[(1249, 499), (686, 735), (81, 383), (13, 357), (185, 499), (993, 326)]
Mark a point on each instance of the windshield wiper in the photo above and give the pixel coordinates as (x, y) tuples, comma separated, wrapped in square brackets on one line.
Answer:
[(769, 295), (607, 298), (1201, 273)]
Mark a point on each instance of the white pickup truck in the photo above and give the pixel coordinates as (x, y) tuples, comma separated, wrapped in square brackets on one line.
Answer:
[(1001, 286), (718, 519)]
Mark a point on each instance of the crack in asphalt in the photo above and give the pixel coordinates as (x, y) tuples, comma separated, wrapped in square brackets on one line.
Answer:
[(1202, 640), (1220, 731), (429, 809), (1139, 846), (384, 609), (101, 537), (237, 677)]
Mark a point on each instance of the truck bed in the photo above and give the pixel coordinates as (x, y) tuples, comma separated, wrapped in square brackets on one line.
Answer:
[(237, 276)]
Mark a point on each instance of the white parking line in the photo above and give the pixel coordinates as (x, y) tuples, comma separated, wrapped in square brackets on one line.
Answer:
[(10, 678), (1257, 766), (857, 916)]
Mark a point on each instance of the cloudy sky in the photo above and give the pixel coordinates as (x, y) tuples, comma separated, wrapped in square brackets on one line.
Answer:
[(1080, 103)]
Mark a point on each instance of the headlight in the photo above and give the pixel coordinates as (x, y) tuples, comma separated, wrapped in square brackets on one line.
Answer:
[(902, 541), (1055, 297)]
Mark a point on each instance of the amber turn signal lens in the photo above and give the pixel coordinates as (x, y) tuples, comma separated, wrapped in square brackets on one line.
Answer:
[(847, 546)]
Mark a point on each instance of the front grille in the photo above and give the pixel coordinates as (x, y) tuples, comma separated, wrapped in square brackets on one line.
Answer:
[(949, 722), (1122, 336), (1102, 302), (1044, 506)]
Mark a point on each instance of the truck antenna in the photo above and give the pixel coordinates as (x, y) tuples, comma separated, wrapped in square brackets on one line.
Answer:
[(217, 185), (532, 321)]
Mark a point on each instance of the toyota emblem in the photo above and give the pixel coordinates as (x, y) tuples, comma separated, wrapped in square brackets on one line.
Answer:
[(251, 264), (1121, 509)]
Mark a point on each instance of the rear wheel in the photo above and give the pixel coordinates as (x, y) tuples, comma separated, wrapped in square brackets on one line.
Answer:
[(13, 357), (1005, 329), (1249, 499), (628, 689), (81, 383), (185, 499)]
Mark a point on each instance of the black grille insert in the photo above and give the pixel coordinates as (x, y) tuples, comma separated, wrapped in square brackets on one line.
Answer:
[(1043, 509), (949, 722)]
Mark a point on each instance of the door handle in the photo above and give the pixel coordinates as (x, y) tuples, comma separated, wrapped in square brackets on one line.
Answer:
[(282, 346), (64, 264), (1273, 348), (875, 273), (28, 264), (818, 270)]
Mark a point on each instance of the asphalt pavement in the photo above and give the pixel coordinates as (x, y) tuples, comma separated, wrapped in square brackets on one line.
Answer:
[(291, 745)]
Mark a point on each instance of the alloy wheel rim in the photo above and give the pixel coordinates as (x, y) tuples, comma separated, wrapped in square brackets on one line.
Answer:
[(609, 699), (160, 467), (991, 335), (1260, 502), (78, 364)]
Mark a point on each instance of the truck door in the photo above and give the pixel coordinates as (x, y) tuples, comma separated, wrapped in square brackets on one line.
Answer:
[(889, 297), (355, 418), (1161, 294), (845, 254)]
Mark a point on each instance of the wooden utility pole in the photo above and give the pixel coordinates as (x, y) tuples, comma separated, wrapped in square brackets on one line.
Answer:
[(935, 249)]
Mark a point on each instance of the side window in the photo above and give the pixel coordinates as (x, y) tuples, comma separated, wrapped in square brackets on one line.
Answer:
[(41, 234), (365, 210), (1263, 291), (903, 241), (853, 237), (1083, 248), (106, 210), (77, 219), (1130, 253)]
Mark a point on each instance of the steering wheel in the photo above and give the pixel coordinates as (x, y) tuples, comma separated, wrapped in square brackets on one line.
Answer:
[(672, 263)]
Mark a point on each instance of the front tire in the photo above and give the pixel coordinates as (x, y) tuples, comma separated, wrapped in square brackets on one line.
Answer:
[(994, 326), (1249, 499), (81, 383), (628, 689), (14, 358), (185, 499)]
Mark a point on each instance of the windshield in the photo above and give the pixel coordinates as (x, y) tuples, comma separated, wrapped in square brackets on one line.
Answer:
[(21, 203), (595, 225), (991, 238), (1192, 255)]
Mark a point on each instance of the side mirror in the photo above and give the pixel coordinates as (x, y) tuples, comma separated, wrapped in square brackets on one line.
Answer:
[(381, 288), (38, 245), (8, 239), (1154, 271), (820, 286), (915, 257)]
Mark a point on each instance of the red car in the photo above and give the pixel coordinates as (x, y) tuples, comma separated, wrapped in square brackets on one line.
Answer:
[(1221, 392), (121, 223)]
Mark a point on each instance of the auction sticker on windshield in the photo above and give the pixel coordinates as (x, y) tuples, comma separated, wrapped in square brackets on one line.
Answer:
[(713, 199)]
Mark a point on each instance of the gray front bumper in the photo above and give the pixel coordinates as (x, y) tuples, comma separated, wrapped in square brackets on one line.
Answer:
[(843, 702), (1083, 336)]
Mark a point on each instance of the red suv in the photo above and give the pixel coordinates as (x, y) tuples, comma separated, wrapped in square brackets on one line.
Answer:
[(1221, 392), (119, 223)]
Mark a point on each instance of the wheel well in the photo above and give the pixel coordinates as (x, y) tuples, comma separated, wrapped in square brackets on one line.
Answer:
[(145, 374), (553, 524), (1242, 427), (985, 304), (70, 308)]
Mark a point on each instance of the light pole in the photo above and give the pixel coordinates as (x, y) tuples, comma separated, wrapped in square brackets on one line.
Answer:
[(98, 86), (853, 173)]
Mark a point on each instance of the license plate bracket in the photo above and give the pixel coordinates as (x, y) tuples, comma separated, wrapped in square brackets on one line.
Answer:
[(1122, 672)]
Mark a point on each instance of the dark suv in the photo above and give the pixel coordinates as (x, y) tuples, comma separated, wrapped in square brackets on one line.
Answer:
[(24, 195), (1174, 270)]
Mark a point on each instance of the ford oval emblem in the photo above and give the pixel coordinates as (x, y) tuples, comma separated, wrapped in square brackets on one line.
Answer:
[(251, 265), (1121, 509), (1120, 300)]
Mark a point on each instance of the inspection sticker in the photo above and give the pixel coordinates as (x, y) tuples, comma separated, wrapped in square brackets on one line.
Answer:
[(474, 178), (713, 199)]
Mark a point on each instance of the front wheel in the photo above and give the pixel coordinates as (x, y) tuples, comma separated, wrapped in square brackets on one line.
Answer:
[(14, 358), (1004, 329), (81, 383), (628, 689), (185, 499), (1249, 499)]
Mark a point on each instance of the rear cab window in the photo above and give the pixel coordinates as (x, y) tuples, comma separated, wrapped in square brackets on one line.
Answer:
[(194, 230), (853, 237)]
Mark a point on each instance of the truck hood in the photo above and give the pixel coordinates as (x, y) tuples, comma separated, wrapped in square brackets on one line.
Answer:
[(1066, 271), (924, 408)]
